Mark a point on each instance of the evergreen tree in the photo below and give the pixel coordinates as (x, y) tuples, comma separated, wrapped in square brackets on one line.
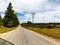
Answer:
[(10, 18), (0, 20)]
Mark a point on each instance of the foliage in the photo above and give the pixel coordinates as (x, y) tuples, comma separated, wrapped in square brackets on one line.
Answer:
[(10, 18), (6, 29), (42, 25), (0, 20), (49, 29), (29, 22), (53, 32)]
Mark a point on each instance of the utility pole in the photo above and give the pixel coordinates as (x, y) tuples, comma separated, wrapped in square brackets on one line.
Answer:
[(33, 14)]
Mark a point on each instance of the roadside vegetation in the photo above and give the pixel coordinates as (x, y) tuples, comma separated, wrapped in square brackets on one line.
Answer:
[(49, 29), (6, 29), (10, 20)]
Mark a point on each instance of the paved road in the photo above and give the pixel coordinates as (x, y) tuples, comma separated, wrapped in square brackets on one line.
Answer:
[(22, 36)]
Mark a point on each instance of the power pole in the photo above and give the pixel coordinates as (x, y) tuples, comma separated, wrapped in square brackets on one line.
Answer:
[(33, 14)]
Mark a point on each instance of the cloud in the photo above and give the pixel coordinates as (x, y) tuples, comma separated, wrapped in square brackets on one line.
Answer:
[(55, 2), (50, 16), (25, 18), (45, 10), (23, 5)]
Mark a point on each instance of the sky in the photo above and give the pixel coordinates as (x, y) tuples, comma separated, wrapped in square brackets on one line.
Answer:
[(45, 11)]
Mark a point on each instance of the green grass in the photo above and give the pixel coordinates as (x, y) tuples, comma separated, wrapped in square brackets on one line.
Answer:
[(6, 29), (53, 32)]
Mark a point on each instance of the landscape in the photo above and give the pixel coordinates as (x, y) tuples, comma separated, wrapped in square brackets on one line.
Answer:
[(30, 22)]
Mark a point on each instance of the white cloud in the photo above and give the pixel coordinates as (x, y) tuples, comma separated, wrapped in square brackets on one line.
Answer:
[(46, 17), (44, 11), (23, 5)]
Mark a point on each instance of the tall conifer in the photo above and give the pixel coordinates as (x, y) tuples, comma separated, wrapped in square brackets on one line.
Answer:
[(10, 18), (0, 21)]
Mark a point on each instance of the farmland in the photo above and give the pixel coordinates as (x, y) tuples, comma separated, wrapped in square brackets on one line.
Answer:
[(49, 29)]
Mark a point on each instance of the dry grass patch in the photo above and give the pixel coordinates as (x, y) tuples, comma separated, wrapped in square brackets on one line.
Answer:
[(6, 29), (53, 32)]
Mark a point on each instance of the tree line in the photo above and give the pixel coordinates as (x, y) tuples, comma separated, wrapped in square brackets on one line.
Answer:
[(10, 19), (41, 25)]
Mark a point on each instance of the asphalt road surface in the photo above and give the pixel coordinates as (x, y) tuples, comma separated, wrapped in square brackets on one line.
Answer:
[(22, 36)]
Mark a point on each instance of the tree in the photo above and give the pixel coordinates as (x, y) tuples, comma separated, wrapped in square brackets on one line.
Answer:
[(0, 20), (29, 22), (10, 18)]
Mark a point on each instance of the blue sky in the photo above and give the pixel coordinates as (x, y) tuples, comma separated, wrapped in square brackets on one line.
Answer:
[(45, 10)]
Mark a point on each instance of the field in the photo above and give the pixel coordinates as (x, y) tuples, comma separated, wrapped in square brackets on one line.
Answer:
[(6, 29), (53, 32)]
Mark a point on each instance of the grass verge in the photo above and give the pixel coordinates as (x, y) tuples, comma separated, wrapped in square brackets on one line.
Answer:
[(6, 29), (52, 32)]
